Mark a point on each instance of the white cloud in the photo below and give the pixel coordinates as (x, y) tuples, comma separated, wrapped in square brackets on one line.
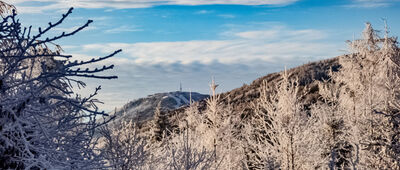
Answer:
[(123, 4), (122, 28), (274, 45)]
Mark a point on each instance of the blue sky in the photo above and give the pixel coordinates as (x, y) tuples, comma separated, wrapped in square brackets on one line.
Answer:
[(189, 41)]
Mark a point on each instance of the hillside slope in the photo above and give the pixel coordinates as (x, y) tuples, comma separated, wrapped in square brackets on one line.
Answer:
[(242, 98)]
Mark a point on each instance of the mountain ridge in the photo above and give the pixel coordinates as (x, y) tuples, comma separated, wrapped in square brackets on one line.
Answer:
[(142, 109)]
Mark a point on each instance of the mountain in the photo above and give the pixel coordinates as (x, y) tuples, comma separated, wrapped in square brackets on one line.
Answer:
[(174, 104), (142, 109), (241, 98)]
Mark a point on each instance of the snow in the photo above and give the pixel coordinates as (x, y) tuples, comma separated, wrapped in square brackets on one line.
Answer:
[(184, 99), (177, 100)]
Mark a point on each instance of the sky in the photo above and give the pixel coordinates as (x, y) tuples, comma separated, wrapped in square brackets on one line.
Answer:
[(169, 42)]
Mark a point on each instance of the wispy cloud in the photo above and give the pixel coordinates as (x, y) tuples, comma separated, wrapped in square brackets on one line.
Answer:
[(204, 12), (228, 16), (121, 29), (103, 18), (123, 4), (371, 3), (280, 33), (60, 29)]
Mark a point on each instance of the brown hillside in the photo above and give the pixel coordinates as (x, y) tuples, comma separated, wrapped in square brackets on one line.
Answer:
[(241, 98)]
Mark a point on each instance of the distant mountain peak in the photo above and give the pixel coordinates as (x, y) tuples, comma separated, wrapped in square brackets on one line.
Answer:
[(143, 108)]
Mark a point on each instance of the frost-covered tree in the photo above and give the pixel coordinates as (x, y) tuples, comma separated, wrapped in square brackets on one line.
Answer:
[(231, 145), (123, 147), (184, 150), (367, 85), (280, 133), (218, 126), (331, 127), (391, 109), (44, 124)]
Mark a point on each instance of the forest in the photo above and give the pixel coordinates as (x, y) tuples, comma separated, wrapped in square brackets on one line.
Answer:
[(340, 113)]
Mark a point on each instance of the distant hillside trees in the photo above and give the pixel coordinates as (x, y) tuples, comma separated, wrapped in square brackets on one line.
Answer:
[(44, 124)]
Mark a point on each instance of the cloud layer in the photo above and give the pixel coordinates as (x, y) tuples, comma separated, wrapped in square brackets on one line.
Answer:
[(277, 44)]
